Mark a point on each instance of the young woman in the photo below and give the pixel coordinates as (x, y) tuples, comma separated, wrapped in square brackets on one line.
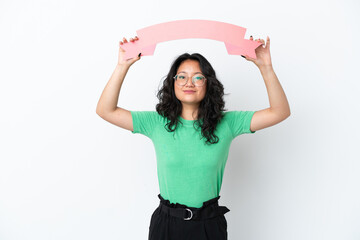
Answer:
[(192, 134)]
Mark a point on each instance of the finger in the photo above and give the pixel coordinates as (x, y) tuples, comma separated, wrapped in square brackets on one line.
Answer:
[(263, 42), (246, 57), (249, 58), (132, 40), (136, 38), (125, 41), (121, 49), (267, 42), (134, 59), (251, 38)]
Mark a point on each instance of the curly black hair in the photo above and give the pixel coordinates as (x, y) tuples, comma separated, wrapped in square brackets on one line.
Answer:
[(211, 108)]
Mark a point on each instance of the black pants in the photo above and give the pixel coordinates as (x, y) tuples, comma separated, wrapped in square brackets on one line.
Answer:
[(164, 226)]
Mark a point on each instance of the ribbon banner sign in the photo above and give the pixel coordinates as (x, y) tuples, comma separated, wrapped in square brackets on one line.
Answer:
[(231, 35)]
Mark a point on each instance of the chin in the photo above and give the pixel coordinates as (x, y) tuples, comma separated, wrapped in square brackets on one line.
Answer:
[(189, 102)]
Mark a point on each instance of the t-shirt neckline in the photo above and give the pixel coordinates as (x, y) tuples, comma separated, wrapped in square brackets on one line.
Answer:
[(187, 122)]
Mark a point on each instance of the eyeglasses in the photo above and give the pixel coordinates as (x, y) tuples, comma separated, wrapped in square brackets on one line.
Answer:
[(198, 79)]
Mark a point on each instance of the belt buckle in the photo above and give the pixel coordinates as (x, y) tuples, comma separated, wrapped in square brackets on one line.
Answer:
[(190, 213)]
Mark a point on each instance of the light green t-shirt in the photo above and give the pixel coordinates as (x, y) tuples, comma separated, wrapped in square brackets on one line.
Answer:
[(189, 171)]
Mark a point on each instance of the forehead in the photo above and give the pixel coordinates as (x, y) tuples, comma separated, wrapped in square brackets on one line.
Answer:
[(189, 66)]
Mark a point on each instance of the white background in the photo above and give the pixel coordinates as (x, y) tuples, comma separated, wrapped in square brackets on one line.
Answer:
[(65, 173)]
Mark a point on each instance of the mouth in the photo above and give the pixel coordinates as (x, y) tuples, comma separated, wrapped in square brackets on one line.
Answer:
[(189, 91)]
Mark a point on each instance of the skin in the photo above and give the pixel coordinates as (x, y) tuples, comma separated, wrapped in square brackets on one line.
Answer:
[(279, 108), (190, 101), (263, 58)]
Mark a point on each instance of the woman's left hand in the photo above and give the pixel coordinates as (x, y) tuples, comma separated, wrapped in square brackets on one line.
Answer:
[(262, 53)]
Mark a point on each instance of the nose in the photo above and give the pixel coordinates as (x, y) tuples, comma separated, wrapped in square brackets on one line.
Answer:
[(189, 82)]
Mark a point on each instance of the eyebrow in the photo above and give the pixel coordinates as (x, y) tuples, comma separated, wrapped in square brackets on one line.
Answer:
[(194, 72)]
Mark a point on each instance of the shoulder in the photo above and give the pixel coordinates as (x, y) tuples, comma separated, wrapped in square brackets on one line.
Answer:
[(146, 114), (228, 114), (235, 114), (238, 117)]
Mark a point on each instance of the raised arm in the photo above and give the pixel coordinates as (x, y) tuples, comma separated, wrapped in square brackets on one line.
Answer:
[(279, 108), (107, 106)]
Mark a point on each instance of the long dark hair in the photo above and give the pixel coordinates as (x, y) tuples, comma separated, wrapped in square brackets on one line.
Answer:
[(211, 107)]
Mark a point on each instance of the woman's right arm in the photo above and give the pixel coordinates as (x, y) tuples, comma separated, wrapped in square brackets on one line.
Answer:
[(107, 106)]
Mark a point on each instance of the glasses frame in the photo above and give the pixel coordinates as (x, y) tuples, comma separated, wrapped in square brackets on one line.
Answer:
[(192, 80)]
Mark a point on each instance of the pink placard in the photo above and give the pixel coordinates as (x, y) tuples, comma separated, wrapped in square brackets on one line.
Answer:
[(232, 36)]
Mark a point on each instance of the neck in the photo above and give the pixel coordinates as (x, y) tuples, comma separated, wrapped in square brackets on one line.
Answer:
[(190, 112)]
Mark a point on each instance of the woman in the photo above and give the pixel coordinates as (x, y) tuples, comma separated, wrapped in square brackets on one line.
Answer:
[(192, 136)]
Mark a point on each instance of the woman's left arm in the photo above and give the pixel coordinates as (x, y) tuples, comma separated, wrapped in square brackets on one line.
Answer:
[(279, 108)]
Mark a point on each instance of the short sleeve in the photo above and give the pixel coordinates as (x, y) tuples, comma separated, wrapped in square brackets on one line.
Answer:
[(144, 122), (239, 122)]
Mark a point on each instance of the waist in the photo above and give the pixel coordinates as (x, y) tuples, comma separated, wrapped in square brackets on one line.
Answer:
[(210, 209)]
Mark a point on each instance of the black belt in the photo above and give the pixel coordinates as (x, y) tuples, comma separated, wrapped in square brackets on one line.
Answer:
[(210, 209)]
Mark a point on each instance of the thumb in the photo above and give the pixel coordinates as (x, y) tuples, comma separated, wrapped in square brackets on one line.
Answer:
[(249, 58), (138, 57), (135, 59)]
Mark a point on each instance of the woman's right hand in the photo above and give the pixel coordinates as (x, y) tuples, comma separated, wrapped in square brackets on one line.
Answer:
[(121, 60)]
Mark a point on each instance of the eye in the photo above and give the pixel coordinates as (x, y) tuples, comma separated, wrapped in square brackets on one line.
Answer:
[(199, 77)]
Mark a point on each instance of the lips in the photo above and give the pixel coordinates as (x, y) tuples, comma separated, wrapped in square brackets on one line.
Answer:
[(189, 91)]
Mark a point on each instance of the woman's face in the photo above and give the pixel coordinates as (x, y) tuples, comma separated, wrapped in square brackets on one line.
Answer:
[(190, 67)]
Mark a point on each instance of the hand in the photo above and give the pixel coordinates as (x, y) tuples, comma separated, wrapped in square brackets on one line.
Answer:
[(121, 60), (262, 53)]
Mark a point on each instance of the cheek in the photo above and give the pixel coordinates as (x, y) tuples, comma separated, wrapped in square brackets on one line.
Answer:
[(176, 91), (203, 92)]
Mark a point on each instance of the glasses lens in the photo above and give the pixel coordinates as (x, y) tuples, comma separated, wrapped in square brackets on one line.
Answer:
[(181, 79), (197, 79)]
